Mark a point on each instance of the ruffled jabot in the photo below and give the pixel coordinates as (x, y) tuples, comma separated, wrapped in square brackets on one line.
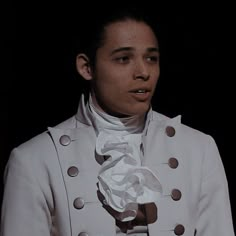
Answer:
[(123, 181)]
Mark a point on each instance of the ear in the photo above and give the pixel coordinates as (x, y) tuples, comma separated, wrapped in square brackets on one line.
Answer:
[(83, 66)]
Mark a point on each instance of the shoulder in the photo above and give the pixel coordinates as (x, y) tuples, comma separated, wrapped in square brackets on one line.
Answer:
[(183, 133), (39, 147), (189, 142)]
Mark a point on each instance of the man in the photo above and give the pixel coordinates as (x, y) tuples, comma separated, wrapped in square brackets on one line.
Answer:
[(117, 167)]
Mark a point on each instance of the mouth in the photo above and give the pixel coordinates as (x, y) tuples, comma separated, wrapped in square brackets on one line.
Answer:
[(141, 91), (141, 94)]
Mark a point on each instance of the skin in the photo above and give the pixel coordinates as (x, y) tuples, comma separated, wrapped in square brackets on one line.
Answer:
[(127, 61)]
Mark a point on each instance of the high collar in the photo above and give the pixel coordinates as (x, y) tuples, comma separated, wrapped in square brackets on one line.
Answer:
[(85, 116)]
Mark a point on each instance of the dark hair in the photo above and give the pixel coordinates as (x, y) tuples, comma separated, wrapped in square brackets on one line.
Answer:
[(93, 30)]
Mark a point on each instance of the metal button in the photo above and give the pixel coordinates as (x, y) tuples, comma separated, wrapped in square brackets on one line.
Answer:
[(170, 131), (65, 140), (73, 171), (83, 234), (173, 163), (179, 230), (79, 203), (176, 194)]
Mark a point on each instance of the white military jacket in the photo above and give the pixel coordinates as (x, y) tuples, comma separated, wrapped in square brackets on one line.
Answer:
[(51, 183)]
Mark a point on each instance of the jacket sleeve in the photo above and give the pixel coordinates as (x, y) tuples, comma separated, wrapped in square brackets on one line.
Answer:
[(24, 208), (214, 211)]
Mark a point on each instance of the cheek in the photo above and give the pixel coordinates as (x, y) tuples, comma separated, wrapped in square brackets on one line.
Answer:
[(156, 76), (111, 81), (156, 71)]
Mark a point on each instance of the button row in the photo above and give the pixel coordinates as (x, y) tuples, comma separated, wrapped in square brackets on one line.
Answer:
[(65, 140), (73, 170), (175, 195), (178, 230)]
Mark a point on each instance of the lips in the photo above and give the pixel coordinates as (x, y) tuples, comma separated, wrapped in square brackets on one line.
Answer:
[(140, 90), (141, 94)]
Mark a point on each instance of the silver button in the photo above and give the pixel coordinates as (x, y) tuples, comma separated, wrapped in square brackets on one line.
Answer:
[(73, 171), (176, 194), (179, 230), (79, 203), (170, 131), (65, 140), (83, 234), (173, 163)]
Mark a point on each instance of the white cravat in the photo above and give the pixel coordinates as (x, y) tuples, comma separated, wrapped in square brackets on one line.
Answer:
[(123, 180)]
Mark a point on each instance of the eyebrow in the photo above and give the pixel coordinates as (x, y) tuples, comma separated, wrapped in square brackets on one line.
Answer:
[(127, 49)]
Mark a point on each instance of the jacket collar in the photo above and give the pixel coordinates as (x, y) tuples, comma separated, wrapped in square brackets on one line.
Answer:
[(83, 116)]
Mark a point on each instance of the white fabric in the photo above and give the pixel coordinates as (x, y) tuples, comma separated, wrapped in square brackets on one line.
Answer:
[(39, 194), (141, 230), (123, 180)]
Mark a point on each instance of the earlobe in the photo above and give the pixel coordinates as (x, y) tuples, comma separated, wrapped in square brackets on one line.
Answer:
[(83, 66)]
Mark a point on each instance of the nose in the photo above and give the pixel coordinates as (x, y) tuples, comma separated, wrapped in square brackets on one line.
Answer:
[(141, 71)]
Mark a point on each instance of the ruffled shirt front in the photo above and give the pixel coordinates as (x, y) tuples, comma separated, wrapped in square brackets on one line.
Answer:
[(123, 181)]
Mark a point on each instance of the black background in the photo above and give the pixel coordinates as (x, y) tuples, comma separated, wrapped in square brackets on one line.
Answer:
[(40, 87)]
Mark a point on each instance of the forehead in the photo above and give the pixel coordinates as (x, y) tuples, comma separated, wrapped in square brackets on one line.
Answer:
[(129, 33)]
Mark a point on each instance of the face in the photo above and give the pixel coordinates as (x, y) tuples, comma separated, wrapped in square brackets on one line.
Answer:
[(126, 70)]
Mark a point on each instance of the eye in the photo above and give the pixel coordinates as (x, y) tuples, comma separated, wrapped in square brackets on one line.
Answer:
[(153, 59), (122, 59)]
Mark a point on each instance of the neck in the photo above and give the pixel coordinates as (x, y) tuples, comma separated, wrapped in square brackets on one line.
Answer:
[(102, 108), (131, 124)]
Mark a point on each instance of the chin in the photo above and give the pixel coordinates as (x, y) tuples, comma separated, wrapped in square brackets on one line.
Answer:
[(140, 110), (132, 110)]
